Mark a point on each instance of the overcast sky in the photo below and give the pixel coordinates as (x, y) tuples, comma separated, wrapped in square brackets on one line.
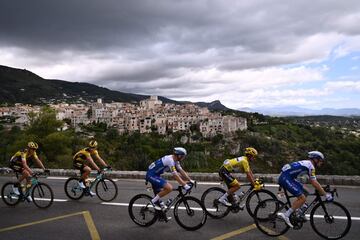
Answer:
[(243, 53)]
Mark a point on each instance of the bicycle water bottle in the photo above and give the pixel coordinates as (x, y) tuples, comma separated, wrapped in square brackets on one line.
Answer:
[(169, 201), (303, 208)]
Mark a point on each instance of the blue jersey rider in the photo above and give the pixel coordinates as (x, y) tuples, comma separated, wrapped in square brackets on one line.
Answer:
[(169, 163), (287, 180)]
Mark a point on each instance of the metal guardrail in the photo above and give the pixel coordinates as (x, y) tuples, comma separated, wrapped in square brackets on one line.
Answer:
[(211, 177)]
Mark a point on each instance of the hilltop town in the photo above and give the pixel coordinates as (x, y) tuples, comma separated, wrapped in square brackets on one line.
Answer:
[(149, 115)]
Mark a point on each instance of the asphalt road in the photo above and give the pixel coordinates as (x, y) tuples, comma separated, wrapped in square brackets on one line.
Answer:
[(89, 218)]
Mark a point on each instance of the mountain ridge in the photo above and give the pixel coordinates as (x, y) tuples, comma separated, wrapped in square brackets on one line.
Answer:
[(302, 112), (24, 86)]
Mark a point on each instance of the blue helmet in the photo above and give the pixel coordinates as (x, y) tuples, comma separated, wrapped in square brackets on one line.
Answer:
[(316, 155), (180, 151)]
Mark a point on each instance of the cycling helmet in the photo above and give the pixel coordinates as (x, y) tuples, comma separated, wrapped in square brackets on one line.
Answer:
[(180, 151), (316, 155), (251, 151), (93, 144), (33, 145)]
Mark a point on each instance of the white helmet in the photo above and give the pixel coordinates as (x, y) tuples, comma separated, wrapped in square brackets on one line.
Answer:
[(180, 151), (316, 154)]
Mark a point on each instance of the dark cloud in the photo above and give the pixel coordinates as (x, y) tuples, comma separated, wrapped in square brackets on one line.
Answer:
[(157, 46)]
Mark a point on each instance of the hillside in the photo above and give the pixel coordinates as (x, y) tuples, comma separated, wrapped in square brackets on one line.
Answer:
[(23, 86)]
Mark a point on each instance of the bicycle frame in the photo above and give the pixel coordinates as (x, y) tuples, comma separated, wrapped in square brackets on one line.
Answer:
[(176, 199), (314, 202)]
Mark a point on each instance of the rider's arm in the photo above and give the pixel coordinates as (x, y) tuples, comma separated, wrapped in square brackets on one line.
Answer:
[(92, 163), (38, 162), (26, 167), (179, 179), (317, 186), (184, 174), (249, 173), (250, 177), (99, 159)]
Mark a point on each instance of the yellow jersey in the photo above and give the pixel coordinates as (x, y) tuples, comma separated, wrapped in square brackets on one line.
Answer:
[(84, 154), (23, 155), (239, 163)]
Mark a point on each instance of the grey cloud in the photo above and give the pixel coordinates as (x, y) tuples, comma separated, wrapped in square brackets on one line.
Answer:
[(149, 45)]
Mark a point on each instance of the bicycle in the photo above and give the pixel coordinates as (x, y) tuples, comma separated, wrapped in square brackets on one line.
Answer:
[(40, 193), (189, 213), (215, 209), (325, 216), (105, 188)]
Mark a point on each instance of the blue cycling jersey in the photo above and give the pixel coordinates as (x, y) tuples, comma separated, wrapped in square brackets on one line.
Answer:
[(295, 169), (162, 165)]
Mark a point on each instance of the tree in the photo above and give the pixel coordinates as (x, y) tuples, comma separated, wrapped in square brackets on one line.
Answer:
[(44, 123)]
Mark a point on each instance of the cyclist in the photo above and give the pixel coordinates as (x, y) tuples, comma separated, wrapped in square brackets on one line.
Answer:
[(167, 163), (231, 165), (287, 180), (83, 161), (21, 162)]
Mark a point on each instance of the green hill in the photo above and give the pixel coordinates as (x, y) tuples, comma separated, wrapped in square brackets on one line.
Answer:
[(23, 86)]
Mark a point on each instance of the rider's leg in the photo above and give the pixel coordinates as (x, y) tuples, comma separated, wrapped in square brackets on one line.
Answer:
[(25, 175), (85, 173), (161, 188), (166, 189), (234, 187), (296, 204)]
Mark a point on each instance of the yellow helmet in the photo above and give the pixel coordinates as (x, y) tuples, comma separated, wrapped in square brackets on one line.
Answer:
[(251, 151), (33, 145), (93, 144)]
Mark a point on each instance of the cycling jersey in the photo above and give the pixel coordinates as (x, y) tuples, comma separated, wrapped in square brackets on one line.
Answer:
[(164, 164), (84, 154), (240, 163), (81, 156), (296, 169), (16, 160), (230, 165), (290, 172)]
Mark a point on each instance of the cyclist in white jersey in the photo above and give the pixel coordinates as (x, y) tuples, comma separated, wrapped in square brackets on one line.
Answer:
[(168, 163)]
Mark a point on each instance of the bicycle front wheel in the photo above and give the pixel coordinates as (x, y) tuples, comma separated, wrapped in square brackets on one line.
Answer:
[(42, 195), (141, 211), (331, 220), (190, 213), (267, 220), (72, 189), (106, 189), (210, 200), (8, 195), (255, 197)]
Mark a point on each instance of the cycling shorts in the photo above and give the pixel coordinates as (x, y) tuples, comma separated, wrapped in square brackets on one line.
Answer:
[(16, 166), (79, 165), (226, 176), (157, 182), (291, 184)]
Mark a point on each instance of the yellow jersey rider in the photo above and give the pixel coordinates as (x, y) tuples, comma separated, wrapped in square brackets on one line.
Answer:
[(230, 165), (83, 160), (21, 162)]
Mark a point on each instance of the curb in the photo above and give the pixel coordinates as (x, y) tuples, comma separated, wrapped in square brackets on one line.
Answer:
[(204, 177)]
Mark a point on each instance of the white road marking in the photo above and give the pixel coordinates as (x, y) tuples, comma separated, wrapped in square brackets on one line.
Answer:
[(142, 205)]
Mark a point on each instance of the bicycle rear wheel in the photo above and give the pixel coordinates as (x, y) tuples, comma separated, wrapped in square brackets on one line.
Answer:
[(266, 219), (255, 197), (42, 195), (210, 201), (141, 211), (72, 189), (106, 189), (8, 195), (331, 220), (190, 213)]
